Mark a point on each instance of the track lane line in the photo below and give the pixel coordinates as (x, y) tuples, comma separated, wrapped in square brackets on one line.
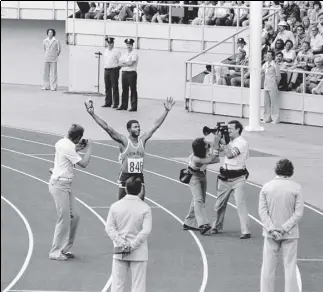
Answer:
[(200, 246), (148, 154), (30, 246), (108, 284)]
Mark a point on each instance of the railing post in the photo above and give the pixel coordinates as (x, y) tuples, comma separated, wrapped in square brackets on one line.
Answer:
[(190, 96), (234, 45), (185, 88), (18, 10), (137, 21), (169, 27), (104, 22), (212, 82), (303, 97), (53, 10), (241, 91), (238, 18), (74, 23)]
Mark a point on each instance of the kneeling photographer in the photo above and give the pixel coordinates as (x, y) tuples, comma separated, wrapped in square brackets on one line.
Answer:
[(204, 153), (233, 175)]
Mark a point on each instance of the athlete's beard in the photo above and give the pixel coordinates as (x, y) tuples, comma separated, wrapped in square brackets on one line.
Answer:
[(135, 135)]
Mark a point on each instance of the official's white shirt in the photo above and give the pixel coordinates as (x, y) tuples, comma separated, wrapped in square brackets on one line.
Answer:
[(127, 57), (316, 41), (65, 159), (238, 162), (111, 58)]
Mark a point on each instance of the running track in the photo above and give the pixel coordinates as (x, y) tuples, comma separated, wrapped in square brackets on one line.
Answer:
[(178, 260)]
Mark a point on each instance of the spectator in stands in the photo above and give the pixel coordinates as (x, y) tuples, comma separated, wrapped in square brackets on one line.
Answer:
[(268, 34), (290, 9), (246, 22), (312, 80), (241, 60), (306, 24), (190, 13), (272, 76), (162, 14), (316, 41), (241, 46), (126, 12), (279, 46), (283, 33), (242, 14), (320, 23), (148, 11), (293, 23), (112, 11), (209, 12), (209, 78), (303, 7), (84, 8), (221, 13), (318, 89), (94, 10), (303, 62), (314, 16), (300, 37), (283, 84), (289, 57)]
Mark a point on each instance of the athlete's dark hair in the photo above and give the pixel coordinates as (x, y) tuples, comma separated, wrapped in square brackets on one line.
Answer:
[(284, 167), (75, 132), (133, 186), (198, 147), (129, 124)]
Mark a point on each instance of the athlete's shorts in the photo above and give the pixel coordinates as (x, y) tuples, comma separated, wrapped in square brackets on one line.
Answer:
[(123, 177)]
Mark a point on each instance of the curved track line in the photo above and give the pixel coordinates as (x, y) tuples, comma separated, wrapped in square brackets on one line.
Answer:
[(202, 251), (30, 247), (106, 287), (148, 154)]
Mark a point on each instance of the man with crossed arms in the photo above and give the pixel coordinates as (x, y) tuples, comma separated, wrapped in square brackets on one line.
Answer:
[(132, 148)]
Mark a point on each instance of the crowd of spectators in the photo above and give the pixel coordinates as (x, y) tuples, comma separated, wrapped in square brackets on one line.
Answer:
[(297, 44)]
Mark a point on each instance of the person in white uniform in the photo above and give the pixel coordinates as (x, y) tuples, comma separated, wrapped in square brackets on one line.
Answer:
[(129, 224), (60, 187), (132, 148), (281, 206)]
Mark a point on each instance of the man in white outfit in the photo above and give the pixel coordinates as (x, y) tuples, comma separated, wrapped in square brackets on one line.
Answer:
[(128, 225), (281, 207)]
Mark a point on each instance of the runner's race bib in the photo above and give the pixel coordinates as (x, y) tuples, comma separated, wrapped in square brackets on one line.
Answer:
[(135, 165)]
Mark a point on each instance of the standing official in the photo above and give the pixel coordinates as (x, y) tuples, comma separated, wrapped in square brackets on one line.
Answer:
[(111, 74), (60, 187), (281, 206), (129, 62), (52, 49), (128, 225), (232, 179)]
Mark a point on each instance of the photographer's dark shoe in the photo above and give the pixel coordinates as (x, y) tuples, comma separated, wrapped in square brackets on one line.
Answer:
[(186, 227), (205, 228), (106, 105), (245, 236)]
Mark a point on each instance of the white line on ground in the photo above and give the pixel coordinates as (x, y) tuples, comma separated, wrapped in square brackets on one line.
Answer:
[(107, 286), (108, 207), (310, 260), (148, 154), (202, 251), (30, 246), (43, 154), (46, 291)]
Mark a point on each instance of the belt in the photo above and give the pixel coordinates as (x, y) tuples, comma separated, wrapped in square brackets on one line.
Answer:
[(62, 178), (111, 68)]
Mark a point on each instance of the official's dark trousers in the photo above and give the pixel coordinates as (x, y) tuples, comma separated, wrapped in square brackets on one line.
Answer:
[(129, 79), (111, 80)]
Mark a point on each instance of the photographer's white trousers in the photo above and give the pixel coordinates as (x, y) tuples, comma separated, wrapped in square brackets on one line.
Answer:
[(120, 270), (225, 189), (269, 264)]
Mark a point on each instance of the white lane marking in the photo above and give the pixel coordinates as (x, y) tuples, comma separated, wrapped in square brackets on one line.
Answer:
[(30, 246), (310, 260), (106, 287), (148, 154), (108, 207), (202, 251)]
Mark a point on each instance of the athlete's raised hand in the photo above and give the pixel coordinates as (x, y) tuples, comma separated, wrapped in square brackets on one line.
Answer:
[(89, 106), (169, 103)]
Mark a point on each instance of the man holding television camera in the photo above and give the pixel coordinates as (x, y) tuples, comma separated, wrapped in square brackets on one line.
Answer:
[(232, 177)]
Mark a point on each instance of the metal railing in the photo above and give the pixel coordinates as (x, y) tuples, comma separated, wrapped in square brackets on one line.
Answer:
[(189, 80)]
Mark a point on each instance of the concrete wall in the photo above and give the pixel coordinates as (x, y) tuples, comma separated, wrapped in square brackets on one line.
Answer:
[(22, 51)]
